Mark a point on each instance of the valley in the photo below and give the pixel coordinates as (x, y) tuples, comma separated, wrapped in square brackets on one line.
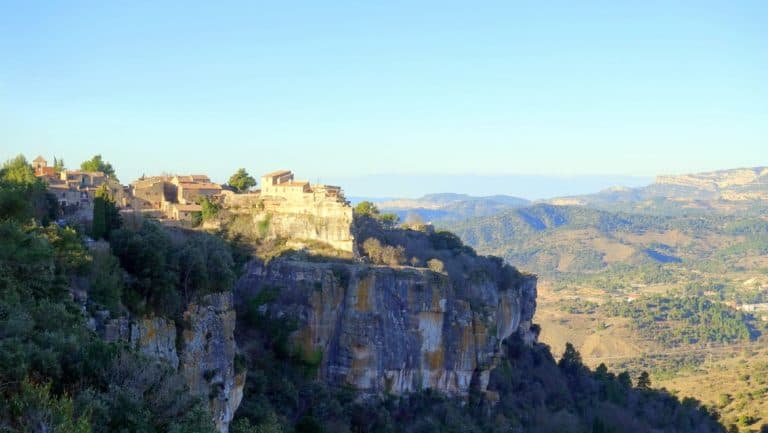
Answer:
[(680, 293)]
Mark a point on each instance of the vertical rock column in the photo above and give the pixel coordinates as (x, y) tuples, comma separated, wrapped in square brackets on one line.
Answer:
[(207, 355)]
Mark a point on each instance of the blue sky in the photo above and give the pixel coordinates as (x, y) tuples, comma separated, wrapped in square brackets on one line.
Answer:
[(348, 89)]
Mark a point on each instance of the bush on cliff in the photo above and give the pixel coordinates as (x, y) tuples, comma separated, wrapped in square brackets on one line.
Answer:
[(398, 246), (166, 269)]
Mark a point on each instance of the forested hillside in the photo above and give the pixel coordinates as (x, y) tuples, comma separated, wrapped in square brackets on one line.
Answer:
[(667, 292), (56, 373)]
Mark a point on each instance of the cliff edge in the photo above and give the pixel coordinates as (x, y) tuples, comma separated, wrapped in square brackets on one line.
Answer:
[(393, 329)]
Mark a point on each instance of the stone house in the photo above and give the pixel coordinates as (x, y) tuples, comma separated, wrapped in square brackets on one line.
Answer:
[(184, 212), (190, 188), (151, 192), (297, 210), (172, 197), (67, 196), (281, 183), (83, 179)]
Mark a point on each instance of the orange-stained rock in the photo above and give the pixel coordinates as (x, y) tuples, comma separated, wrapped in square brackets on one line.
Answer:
[(395, 330)]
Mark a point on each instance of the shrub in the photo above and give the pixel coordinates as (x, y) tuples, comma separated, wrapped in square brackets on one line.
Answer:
[(34, 409), (436, 265)]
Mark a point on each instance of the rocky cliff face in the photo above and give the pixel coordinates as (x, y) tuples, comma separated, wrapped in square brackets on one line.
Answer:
[(207, 356), (305, 217), (202, 348), (394, 330)]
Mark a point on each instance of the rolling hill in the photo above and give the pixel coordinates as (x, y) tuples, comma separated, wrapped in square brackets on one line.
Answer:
[(450, 206), (668, 293), (556, 240)]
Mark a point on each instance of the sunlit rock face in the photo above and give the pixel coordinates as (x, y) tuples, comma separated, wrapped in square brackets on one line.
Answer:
[(394, 330)]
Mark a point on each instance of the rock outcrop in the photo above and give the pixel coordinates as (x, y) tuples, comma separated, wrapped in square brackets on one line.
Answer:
[(207, 356), (395, 330), (295, 211), (202, 348)]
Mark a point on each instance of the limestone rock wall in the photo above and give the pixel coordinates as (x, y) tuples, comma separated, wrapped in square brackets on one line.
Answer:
[(207, 357), (305, 217), (202, 349), (394, 330)]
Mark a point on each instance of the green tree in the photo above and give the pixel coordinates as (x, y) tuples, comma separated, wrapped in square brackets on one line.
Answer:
[(22, 195), (571, 359), (58, 165), (389, 220), (644, 381), (601, 372), (34, 409), (624, 379), (98, 164), (19, 171), (241, 181), (146, 255), (210, 209), (366, 208), (105, 214), (106, 277)]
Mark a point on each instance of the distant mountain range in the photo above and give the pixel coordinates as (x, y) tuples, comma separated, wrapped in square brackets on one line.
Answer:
[(734, 190), (450, 206), (529, 186), (741, 190)]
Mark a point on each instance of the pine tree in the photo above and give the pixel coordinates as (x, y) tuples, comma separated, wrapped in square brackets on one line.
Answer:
[(644, 381), (571, 360), (105, 214)]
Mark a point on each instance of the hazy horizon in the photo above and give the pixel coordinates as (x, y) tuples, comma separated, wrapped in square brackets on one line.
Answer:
[(531, 187)]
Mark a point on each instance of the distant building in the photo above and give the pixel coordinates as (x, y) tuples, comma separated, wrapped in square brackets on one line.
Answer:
[(41, 167), (151, 192), (184, 212), (76, 188), (302, 211), (83, 179), (281, 183), (172, 197), (189, 189)]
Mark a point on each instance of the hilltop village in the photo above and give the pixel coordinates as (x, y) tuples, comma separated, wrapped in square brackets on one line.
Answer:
[(307, 211)]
